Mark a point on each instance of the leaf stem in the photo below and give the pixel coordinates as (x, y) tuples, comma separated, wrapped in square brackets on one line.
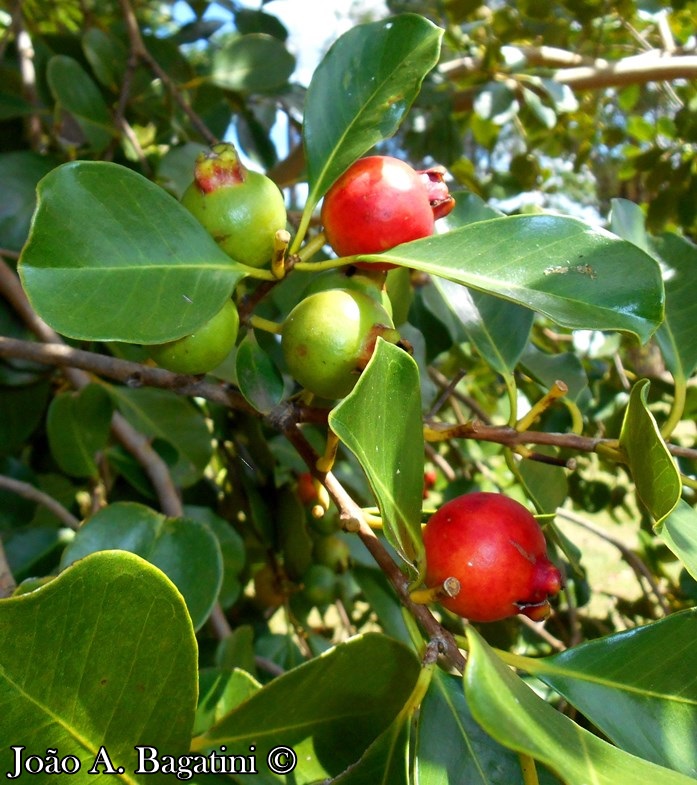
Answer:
[(527, 766), (678, 407), (268, 326), (311, 247)]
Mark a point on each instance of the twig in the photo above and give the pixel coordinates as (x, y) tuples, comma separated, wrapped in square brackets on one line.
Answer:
[(28, 491), (7, 581), (154, 466), (637, 565), (140, 51)]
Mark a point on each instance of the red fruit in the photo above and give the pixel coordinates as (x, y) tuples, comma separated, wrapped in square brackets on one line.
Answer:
[(497, 551), (307, 492), (380, 202)]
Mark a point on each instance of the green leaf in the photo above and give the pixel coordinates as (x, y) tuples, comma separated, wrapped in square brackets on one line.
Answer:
[(112, 256), (22, 410), (547, 368), (499, 330), (107, 56), (357, 689), (220, 691), (19, 173), (580, 277), (627, 221), (676, 335), (451, 747), (380, 422), (649, 674), (517, 718), (185, 550), (361, 91), (103, 655), (679, 532), (75, 91), (258, 378), (386, 761), (252, 63), (176, 421), (78, 426), (653, 468)]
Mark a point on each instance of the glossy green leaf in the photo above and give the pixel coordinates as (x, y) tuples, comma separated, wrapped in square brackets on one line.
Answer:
[(519, 719), (220, 691), (175, 421), (19, 173), (184, 549), (627, 220), (648, 673), (653, 468), (112, 256), (78, 426), (361, 91), (74, 91), (258, 378), (232, 549), (451, 747), (380, 422), (103, 655), (358, 688), (499, 330), (679, 532), (386, 761), (580, 277), (252, 63), (676, 336)]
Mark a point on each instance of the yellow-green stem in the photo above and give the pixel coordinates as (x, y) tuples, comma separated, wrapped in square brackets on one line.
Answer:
[(259, 323), (527, 766), (678, 407), (326, 264), (557, 390), (512, 392), (311, 247)]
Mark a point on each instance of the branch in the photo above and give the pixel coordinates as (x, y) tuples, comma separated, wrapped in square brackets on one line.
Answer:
[(27, 491), (153, 465), (582, 73)]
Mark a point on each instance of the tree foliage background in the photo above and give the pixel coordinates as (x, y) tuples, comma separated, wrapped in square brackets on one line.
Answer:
[(168, 577)]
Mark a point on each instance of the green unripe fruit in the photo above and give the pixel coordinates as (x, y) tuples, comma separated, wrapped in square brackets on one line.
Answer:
[(371, 284), (319, 585), (203, 350), (329, 337), (241, 209)]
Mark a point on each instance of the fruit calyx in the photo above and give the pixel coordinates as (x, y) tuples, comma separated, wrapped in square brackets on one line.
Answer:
[(439, 196), (219, 167)]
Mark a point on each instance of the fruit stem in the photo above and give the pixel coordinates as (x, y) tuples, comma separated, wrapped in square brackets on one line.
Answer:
[(448, 589), (259, 323), (678, 407), (325, 264), (311, 247), (527, 766), (281, 241), (326, 461), (556, 391)]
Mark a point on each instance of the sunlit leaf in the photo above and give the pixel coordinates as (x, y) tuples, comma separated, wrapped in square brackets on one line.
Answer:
[(361, 91), (522, 721), (103, 655), (380, 422), (648, 673), (653, 468), (112, 256), (580, 277)]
